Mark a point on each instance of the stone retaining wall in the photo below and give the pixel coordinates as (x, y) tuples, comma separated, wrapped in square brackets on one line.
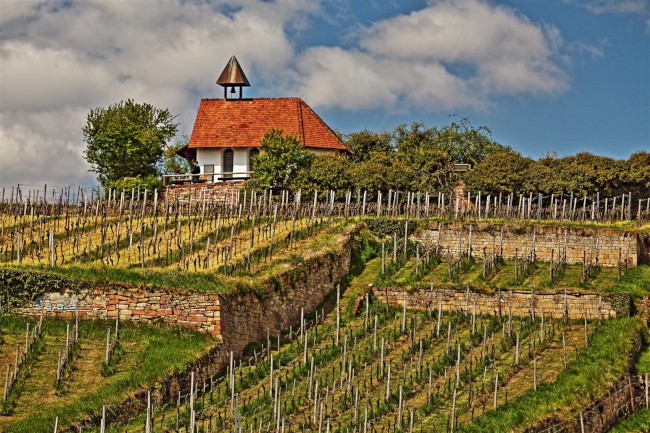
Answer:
[(517, 303), (198, 311), (213, 191), (238, 318), (246, 318), (577, 242)]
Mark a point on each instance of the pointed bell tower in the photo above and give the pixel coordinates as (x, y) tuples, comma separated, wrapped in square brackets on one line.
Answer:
[(232, 76)]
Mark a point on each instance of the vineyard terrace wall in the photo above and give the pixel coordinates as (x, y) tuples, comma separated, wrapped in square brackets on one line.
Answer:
[(238, 318), (198, 311), (573, 305), (578, 243)]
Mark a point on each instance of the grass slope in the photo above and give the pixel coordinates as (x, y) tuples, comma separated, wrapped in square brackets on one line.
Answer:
[(638, 422), (212, 281), (343, 371), (150, 352), (595, 369)]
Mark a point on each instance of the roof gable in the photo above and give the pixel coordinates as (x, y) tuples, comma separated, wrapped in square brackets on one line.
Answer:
[(243, 123)]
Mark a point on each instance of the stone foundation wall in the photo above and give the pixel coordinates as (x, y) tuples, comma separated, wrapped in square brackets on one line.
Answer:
[(517, 303), (198, 311), (578, 242), (213, 191), (239, 318), (644, 248)]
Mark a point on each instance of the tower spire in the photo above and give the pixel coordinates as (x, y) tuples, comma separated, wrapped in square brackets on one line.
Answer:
[(231, 77)]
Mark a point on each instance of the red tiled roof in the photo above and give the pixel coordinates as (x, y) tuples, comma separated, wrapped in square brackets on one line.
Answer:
[(243, 123)]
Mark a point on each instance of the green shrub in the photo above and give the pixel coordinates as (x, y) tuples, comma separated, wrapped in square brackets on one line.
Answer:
[(135, 184)]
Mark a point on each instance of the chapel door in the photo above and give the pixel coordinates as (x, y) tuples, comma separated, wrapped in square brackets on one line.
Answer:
[(228, 157)]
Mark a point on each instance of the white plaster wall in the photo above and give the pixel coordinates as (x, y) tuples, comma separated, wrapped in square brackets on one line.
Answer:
[(240, 161), (210, 156), (215, 156)]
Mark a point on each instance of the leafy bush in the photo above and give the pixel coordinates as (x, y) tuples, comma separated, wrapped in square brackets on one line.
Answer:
[(284, 161), (18, 286), (135, 184)]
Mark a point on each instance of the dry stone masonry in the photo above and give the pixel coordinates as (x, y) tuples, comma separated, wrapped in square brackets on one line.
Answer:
[(225, 191), (573, 305), (192, 310), (595, 245), (238, 318)]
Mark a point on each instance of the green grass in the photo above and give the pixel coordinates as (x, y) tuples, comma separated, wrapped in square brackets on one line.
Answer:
[(150, 353), (618, 225), (638, 422), (202, 281), (636, 282), (211, 281), (643, 364), (588, 377), (327, 241)]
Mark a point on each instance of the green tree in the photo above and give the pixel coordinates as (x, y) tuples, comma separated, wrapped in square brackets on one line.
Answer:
[(365, 143), (463, 142), (173, 163), (426, 165), (407, 140), (427, 168), (382, 172), (585, 173), (330, 172), (127, 139), (468, 144), (283, 164), (501, 172), (636, 174)]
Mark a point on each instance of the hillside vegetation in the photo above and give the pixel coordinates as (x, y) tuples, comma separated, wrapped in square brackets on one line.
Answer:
[(375, 368), (386, 368), (144, 355)]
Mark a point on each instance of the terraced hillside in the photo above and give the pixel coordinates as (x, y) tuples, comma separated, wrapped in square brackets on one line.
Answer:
[(232, 235), (353, 364), (386, 369), (144, 354), (495, 273)]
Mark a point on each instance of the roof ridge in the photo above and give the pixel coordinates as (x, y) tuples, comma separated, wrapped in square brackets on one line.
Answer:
[(325, 124), (301, 122), (287, 98)]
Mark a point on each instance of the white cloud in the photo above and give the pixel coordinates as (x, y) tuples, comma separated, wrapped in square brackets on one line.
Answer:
[(449, 54), (42, 148), (35, 78), (616, 6), (11, 9), (353, 79), (594, 50), (60, 58)]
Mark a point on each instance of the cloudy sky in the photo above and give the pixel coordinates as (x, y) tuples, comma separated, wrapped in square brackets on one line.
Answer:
[(545, 75)]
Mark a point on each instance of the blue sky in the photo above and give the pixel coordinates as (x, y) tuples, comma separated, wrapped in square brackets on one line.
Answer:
[(559, 76), (605, 108)]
